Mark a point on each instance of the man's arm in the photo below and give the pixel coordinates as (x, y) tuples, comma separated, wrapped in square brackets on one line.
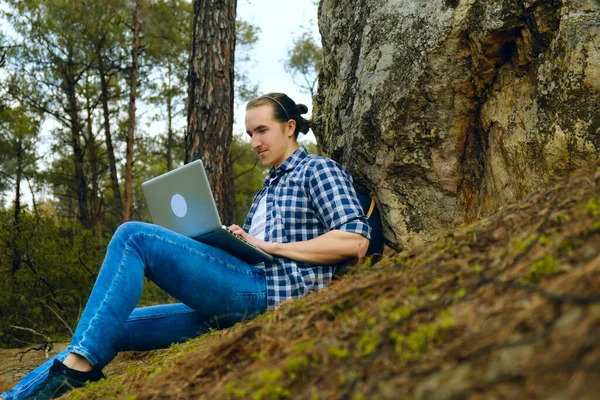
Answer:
[(329, 248)]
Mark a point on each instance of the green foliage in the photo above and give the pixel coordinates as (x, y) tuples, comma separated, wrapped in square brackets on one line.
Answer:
[(272, 383), (248, 173), (541, 268), (268, 384), (168, 27), (68, 45), (246, 38), (460, 293), (367, 342), (565, 247), (339, 353), (167, 31), (19, 137), (475, 269), (413, 290), (562, 219), (412, 346), (154, 295), (311, 147), (59, 265), (544, 240), (65, 44), (304, 62), (519, 246), (593, 207)]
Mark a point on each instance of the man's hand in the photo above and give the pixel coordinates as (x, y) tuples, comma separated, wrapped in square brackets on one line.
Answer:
[(261, 244)]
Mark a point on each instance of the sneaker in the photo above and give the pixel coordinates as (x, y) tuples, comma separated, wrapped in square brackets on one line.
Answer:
[(61, 379)]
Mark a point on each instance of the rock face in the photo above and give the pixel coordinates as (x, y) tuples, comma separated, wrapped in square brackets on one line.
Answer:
[(446, 110)]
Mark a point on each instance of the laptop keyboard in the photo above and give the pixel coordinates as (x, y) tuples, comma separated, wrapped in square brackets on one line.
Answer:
[(240, 238)]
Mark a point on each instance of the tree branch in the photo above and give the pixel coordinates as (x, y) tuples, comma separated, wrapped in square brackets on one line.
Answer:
[(31, 331), (248, 170), (57, 316)]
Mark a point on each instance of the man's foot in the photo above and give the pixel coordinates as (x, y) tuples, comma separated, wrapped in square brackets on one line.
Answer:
[(61, 379)]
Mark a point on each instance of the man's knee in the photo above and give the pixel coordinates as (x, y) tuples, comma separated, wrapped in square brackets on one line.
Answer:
[(129, 228)]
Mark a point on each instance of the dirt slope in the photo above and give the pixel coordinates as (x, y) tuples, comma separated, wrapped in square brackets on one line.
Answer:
[(506, 308)]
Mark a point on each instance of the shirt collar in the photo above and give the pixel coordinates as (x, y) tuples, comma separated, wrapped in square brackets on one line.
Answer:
[(289, 164)]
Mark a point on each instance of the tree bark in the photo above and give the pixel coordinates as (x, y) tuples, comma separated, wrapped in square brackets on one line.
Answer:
[(210, 110), (2, 63), (447, 124), (131, 126), (169, 152), (16, 256), (93, 160), (110, 151)]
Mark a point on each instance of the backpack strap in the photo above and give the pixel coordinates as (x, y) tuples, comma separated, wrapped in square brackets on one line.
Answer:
[(371, 208), (375, 249)]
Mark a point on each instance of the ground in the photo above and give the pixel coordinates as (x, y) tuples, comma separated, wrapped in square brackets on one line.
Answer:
[(508, 307), (13, 367)]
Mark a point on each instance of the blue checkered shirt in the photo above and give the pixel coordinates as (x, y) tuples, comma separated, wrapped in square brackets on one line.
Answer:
[(307, 196)]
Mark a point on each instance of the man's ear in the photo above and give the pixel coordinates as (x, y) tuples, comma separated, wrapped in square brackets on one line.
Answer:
[(291, 126)]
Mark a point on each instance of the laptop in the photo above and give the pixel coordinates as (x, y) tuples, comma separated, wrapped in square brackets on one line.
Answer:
[(181, 200)]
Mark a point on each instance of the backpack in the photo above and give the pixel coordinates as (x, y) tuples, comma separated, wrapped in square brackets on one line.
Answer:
[(372, 212)]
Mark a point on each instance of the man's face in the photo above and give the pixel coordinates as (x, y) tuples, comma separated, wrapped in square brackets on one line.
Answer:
[(272, 140)]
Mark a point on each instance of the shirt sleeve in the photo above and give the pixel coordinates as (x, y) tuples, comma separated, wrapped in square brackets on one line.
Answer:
[(334, 198)]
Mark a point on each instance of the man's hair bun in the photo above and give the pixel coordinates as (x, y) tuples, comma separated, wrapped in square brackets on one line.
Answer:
[(302, 109)]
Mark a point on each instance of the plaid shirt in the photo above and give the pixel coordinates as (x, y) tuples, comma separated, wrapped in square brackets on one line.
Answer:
[(307, 196)]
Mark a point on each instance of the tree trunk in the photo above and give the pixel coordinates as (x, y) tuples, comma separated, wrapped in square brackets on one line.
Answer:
[(33, 202), (16, 256), (210, 111), (93, 160), (110, 151), (169, 152), (73, 111), (2, 63), (447, 124), (131, 126)]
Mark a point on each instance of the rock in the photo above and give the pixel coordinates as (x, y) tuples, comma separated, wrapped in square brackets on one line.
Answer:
[(568, 318), (445, 385), (508, 362), (499, 234), (447, 110)]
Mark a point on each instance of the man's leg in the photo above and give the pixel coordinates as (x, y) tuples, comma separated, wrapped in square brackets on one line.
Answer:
[(217, 285), (221, 289), (147, 328)]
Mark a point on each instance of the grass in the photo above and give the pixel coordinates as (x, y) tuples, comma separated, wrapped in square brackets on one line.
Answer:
[(395, 328)]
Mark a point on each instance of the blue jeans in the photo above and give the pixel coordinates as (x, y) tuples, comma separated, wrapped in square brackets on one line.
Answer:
[(216, 290)]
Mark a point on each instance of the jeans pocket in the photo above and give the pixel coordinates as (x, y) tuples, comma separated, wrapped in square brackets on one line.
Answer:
[(246, 305)]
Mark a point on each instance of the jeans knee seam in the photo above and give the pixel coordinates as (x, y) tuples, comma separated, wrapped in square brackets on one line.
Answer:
[(156, 316), (238, 294)]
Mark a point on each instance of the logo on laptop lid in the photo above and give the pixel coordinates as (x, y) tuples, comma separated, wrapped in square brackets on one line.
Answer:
[(178, 205)]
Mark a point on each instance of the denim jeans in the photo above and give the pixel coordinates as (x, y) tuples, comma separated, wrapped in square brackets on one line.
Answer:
[(216, 290)]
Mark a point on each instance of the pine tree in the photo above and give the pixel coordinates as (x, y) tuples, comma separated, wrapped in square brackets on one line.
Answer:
[(210, 110)]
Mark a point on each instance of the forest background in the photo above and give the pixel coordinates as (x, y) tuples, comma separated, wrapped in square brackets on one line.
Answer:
[(66, 125)]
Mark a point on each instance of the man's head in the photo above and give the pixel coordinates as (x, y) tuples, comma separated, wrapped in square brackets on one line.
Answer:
[(273, 121)]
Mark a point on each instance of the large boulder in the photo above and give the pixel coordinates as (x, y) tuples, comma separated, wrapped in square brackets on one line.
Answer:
[(446, 110)]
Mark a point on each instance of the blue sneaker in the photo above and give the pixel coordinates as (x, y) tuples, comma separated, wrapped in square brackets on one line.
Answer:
[(61, 379)]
